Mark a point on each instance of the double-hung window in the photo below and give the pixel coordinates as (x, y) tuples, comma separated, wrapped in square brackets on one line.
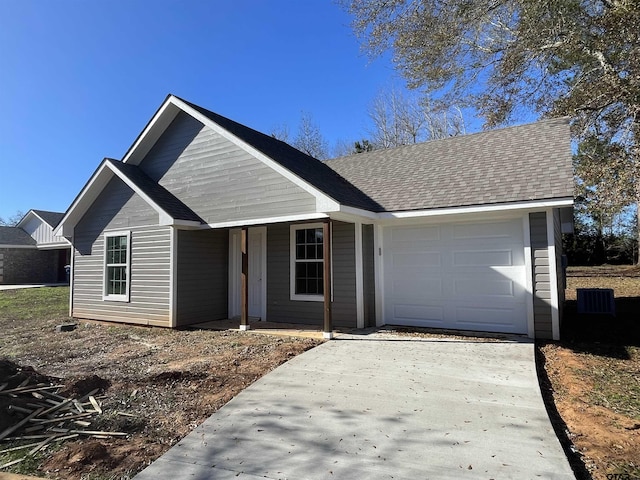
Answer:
[(307, 262), (117, 262)]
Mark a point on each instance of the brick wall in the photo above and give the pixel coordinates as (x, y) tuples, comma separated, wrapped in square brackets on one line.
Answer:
[(26, 265)]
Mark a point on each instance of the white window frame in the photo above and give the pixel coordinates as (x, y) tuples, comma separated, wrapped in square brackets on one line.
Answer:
[(292, 267), (112, 297)]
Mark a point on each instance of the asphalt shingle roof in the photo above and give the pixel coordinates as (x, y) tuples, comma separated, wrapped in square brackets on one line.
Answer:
[(52, 218), (526, 162), (304, 166), (15, 236), (156, 192)]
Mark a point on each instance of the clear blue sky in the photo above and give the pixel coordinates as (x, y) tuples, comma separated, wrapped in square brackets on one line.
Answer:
[(80, 79)]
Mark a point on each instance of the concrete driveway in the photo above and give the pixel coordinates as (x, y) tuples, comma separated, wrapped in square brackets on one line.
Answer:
[(381, 407)]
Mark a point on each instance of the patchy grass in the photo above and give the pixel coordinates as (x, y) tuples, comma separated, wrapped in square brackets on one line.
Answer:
[(34, 303), (594, 374), (170, 381), (615, 382)]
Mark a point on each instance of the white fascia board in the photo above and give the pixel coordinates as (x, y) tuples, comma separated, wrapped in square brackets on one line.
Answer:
[(266, 220), (364, 216), (152, 132), (54, 246), (181, 224), (18, 246), (528, 205), (324, 203), (87, 196)]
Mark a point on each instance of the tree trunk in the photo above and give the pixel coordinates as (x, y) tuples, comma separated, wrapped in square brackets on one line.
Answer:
[(638, 224)]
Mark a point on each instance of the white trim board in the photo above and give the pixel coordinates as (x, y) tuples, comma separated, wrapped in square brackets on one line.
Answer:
[(528, 263), (493, 208), (553, 275)]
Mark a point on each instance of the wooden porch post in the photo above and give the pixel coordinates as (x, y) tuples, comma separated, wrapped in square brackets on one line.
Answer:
[(244, 283), (326, 255)]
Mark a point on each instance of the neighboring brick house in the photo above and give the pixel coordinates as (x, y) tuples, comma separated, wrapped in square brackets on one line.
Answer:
[(30, 253)]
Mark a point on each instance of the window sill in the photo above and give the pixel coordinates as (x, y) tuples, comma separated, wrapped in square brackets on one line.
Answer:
[(115, 298), (307, 298)]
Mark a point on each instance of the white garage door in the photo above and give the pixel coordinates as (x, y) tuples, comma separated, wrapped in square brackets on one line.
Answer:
[(464, 276)]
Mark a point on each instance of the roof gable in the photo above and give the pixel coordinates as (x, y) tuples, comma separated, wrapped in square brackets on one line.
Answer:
[(305, 167), (516, 164), (171, 211), (50, 218), (330, 189)]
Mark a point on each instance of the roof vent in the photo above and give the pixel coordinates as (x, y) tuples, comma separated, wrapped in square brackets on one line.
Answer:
[(596, 300)]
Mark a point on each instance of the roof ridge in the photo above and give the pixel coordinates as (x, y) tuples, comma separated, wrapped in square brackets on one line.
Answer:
[(564, 120)]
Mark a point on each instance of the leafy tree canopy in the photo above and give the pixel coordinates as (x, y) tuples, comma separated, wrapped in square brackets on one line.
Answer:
[(558, 57), (577, 58)]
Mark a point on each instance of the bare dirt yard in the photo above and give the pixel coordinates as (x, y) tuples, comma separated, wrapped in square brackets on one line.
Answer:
[(592, 376), (154, 384)]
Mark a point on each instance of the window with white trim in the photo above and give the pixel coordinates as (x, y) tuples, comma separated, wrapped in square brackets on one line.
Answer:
[(117, 262), (307, 262)]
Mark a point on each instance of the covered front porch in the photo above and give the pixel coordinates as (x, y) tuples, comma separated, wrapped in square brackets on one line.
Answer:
[(310, 250), (281, 276)]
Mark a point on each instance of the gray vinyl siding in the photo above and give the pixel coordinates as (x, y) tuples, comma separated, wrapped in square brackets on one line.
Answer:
[(202, 276), (217, 179), (369, 283), (280, 308), (541, 278), (118, 208), (343, 251)]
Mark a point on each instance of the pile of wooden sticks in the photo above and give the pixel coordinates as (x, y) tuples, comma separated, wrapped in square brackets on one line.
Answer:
[(49, 418)]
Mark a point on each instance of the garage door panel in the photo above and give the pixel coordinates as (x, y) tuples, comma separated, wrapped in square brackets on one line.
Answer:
[(411, 234), (410, 287), (417, 260), (468, 276), (489, 318), (482, 258), (470, 287), (487, 230), (430, 313)]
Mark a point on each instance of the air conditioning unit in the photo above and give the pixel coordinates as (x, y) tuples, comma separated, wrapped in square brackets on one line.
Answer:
[(596, 301)]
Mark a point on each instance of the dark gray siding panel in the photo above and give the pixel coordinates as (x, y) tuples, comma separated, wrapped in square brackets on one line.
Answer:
[(217, 179), (541, 283), (344, 275), (119, 208), (202, 276), (280, 308), (369, 284)]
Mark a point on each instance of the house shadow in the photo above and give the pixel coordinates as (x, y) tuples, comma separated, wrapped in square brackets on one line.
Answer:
[(603, 335), (559, 426)]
